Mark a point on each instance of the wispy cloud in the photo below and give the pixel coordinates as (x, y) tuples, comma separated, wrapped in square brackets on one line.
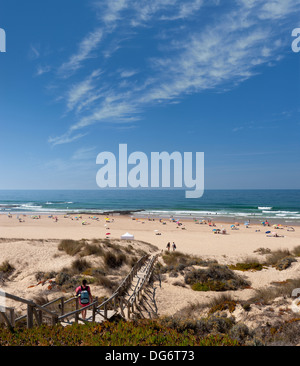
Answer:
[(84, 154), (65, 138), (128, 73), (41, 70), (85, 50), (80, 94), (34, 52), (218, 55)]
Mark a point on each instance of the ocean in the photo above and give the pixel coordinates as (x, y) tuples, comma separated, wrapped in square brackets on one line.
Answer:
[(276, 206)]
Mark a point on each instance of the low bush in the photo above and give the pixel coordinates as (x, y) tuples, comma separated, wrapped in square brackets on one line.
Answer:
[(284, 263), (134, 333), (221, 303), (92, 249), (215, 278), (250, 266), (71, 247), (79, 266), (6, 267), (113, 261), (274, 257)]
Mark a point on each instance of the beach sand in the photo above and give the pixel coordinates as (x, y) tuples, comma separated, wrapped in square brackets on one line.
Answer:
[(31, 246)]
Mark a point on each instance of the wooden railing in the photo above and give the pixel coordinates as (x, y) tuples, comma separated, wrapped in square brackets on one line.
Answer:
[(116, 302), (135, 297)]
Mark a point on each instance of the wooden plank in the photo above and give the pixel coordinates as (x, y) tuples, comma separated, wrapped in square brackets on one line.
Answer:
[(16, 298)]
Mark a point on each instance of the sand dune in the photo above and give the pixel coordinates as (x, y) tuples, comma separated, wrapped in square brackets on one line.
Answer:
[(31, 246)]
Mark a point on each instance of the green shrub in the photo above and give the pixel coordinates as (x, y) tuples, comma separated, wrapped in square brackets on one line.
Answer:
[(254, 266), (133, 333), (284, 263), (215, 278), (6, 267), (239, 332)]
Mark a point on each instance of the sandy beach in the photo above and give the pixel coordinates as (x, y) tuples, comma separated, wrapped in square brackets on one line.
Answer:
[(31, 246)]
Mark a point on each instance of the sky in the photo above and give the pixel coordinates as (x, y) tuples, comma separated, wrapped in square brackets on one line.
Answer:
[(214, 76)]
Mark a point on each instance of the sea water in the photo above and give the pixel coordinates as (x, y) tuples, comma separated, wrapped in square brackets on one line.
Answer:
[(282, 206)]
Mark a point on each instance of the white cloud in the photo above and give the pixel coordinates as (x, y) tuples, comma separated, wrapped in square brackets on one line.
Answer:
[(41, 70), (276, 9), (34, 52), (84, 154), (128, 73), (79, 95), (85, 49), (65, 138), (218, 56)]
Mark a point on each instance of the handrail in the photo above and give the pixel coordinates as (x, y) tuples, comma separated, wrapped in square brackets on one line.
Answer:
[(129, 303), (61, 317), (35, 310)]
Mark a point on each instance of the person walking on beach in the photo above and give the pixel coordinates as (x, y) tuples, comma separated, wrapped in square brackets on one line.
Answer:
[(174, 246), (168, 246), (85, 296)]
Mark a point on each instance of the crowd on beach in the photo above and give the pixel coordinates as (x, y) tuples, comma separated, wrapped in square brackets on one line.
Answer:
[(179, 223)]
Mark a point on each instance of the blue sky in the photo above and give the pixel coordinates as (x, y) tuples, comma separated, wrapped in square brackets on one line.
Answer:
[(82, 77)]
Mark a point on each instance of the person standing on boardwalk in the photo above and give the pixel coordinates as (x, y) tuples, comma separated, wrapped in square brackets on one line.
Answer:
[(85, 296)]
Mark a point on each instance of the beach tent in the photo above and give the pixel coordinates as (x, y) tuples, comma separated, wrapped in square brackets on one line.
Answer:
[(127, 236)]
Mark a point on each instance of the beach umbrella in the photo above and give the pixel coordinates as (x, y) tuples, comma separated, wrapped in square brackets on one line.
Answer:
[(107, 234), (268, 232)]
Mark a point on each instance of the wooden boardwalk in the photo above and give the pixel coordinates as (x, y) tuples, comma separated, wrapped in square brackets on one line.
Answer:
[(123, 302)]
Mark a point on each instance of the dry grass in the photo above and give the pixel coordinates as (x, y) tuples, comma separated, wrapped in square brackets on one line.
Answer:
[(113, 261), (274, 257), (266, 295), (71, 247), (296, 251), (79, 266)]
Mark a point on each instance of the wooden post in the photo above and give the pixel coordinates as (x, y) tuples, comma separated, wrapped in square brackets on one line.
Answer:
[(128, 311), (62, 303), (38, 315), (105, 311), (94, 309), (54, 320), (121, 306), (12, 317), (77, 307), (29, 316)]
